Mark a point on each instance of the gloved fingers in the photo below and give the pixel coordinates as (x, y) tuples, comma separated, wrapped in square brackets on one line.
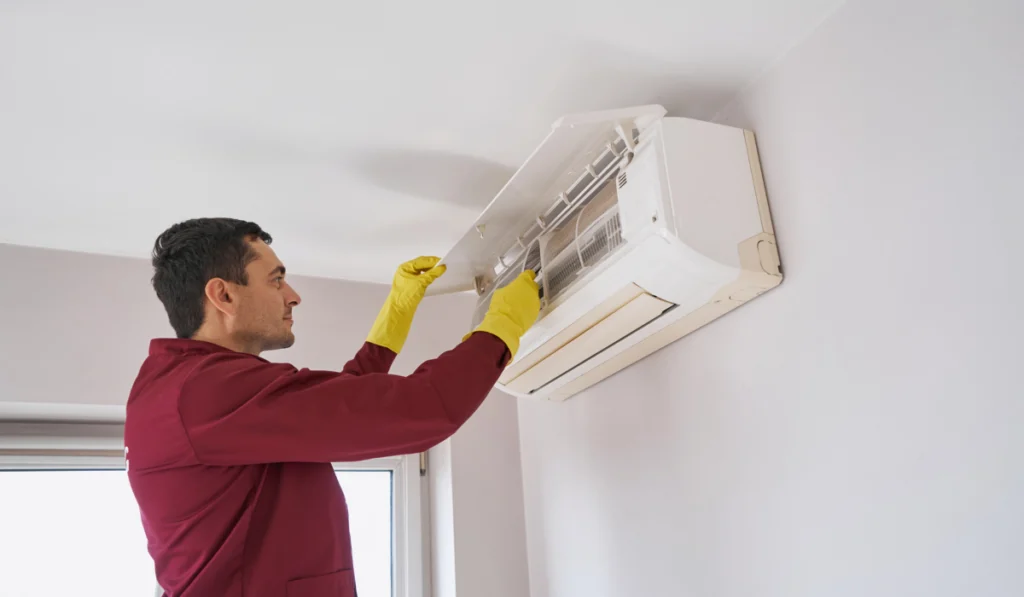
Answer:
[(530, 278), (433, 273), (419, 265)]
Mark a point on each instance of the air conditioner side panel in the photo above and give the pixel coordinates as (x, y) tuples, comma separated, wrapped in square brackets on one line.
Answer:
[(712, 187)]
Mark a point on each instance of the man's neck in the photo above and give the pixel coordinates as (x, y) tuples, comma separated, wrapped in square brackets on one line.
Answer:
[(226, 342)]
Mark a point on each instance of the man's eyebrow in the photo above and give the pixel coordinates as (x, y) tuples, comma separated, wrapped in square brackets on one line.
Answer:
[(277, 270)]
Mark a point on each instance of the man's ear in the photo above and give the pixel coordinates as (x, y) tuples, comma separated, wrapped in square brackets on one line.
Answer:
[(220, 294)]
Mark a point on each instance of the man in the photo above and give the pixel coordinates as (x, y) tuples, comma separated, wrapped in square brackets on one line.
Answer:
[(229, 455)]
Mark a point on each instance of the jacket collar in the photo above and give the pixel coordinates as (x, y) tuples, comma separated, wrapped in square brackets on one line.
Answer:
[(160, 346)]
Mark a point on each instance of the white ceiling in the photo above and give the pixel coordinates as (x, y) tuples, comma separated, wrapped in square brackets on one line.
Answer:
[(358, 133)]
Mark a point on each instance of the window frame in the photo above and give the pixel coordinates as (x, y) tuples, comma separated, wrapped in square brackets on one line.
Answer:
[(407, 545)]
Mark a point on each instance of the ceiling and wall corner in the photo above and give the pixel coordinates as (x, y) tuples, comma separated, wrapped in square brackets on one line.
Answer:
[(857, 430), (357, 138)]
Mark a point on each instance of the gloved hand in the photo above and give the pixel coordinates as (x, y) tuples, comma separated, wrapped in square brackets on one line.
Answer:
[(513, 310), (394, 321)]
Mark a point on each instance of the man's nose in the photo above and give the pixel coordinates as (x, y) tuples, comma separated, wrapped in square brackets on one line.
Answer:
[(293, 297)]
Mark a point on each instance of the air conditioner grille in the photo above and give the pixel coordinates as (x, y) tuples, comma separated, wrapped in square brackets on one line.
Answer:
[(592, 178), (551, 238), (600, 241), (533, 258)]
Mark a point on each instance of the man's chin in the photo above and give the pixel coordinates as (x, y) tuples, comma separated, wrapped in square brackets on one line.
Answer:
[(281, 343)]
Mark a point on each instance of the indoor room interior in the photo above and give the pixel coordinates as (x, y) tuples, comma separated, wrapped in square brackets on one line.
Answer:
[(811, 387)]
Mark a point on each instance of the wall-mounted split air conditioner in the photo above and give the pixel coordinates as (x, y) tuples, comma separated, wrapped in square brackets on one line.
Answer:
[(642, 228)]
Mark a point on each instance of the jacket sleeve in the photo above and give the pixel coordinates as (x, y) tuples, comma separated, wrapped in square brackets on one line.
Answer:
[(238, 409), (371, 358)]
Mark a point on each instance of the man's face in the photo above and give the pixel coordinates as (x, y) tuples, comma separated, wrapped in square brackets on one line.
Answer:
[(264, 315)]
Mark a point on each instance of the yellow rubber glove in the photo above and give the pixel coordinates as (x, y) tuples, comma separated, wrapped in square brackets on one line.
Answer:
[(513, 310), (394, 321)]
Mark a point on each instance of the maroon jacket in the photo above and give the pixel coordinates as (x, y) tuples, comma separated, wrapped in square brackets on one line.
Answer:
[(229, 457)]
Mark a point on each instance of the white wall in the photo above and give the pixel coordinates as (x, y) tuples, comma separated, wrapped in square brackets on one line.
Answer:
[(479, 538), (77, 326), (490, 531), (860, 429)]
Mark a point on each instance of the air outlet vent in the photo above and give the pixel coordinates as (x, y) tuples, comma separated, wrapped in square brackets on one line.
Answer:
[(622, 180)]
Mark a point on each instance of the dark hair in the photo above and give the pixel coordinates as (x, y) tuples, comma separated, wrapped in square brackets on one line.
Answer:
[(190, 254)]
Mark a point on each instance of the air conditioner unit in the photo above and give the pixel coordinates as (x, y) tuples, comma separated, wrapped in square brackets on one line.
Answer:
[(642, 228)]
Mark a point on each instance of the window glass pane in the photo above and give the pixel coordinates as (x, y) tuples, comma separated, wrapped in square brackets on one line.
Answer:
[(368, 494), (72, 533)]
